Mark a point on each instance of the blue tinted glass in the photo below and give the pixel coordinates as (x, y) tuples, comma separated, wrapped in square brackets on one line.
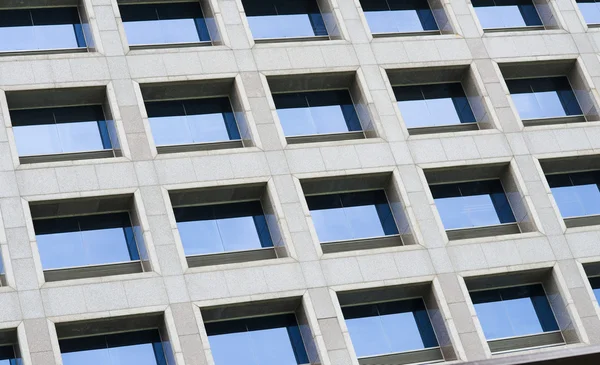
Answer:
[(516, 311), (86, 240), (472, 204), (543, 97), (222, 228), (273, 340), (506, 13), (348, 216), (433, 105), (7, 356), (192, 121), (595, 283), (384, 328), (576, 194), (397, 16), (60, 130), (164, 23), (590, 11), (40, 29), (319, 112), (140, 348), (284, 18)]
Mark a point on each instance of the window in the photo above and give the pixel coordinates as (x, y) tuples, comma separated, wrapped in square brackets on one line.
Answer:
[(576, 194), (549, 97), (433, 105), (317, 112), (47, 131), (595, 283), (269, 19), (140, 348), (192, 121), (85, 240), (40, 29), (222, 228), (389, 327), (399, 16), (348, 216), (502, 14), (268, 340), (7, 356), (156, 24), (514, 311), (590, 11)]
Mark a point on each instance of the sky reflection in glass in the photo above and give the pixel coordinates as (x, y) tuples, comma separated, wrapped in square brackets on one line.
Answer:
[(7, 356), (516, 311), (576, 194), (346, 216), (595, 283), (398, 16), (271, 340), (472, 204), (495, 14), (590, 10), (390, 327), (284, 18), (543, 97)]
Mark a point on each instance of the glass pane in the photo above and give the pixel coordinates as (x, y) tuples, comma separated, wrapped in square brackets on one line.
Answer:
[(89, 357), (77, 137), (494, 320), (281, 26), (364, 221), (200, 237), (39, 139), (144, 32), (221, 346), (488, 17), (207, 127), (467, 211), (396, 21), (161, 31), (136, 354), (297, 121), (442, 111), (58, 36), (523, 317), (179, 31), (272, 347), (595, 282), (170, 130), (590, 12), (511, 16), (238, 234), (415, 113), (550, 104), (402, 331), (17, 38), (329, 119), (580, 200), (527, 105), (331, 224)]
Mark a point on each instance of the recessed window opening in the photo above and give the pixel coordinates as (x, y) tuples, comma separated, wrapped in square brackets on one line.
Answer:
[(399, 16), (506, 14), (576, 194), (590, 9)]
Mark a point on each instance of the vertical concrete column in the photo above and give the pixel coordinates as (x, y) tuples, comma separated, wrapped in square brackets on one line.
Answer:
[(39, 342), (189, 334)]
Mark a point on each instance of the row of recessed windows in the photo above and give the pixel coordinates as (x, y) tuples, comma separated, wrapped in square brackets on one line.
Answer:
[(184, 23)]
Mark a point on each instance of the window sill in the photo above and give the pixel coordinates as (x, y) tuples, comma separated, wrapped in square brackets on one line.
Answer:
[(583, 221), (556, 120), (514, 29), (329, 137), (210, 146), (135, 47), (44, 51), (486, 231), (594, 25), (93, 271), (361, 244), (89, 155), (231, 257), (292, 39), (444, 129), (406, 34), (526, 342), (428, 355)]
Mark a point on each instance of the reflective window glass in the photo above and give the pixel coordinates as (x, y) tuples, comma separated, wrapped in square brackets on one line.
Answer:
[(347, 216), (595, 283), (192, 121), (494, 14), (147, 24), (85, 240), (590, 10), (576, 194), (543, 97), (433, 105), (40, 29), (385, 328), (319, 112), (7, 356), (60, 130), (222, 228), (516, 311), (398, 16), (284, 18), (270, 340), (140, 348), (472, 204)]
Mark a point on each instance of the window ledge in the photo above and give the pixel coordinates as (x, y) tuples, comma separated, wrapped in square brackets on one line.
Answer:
[(526, 342), (514, 29), (593, 25), (136, 47), (361, 244), (209, 146), (406, 34), (329, 137), (444, 129), (92, 271), (44, 51), (231, 257), (428, 355), (88, 155), (292, 39), (486, 231), (555, 120), (583, 221)]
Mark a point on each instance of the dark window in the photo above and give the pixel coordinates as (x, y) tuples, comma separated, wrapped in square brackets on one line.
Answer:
[(270, 340), (595, 282), (495, 14), (222, 228), (192, 121), (85, 240), (284, 18), (543, 97), (60, 130), (7, 356), (318, 112), (516, 311), (398, 16), (347, 216), (576, 194), (390, 327), (147, 24), (472, 204), (140, 348), (590, 10), (40, 29), (433, 105)]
